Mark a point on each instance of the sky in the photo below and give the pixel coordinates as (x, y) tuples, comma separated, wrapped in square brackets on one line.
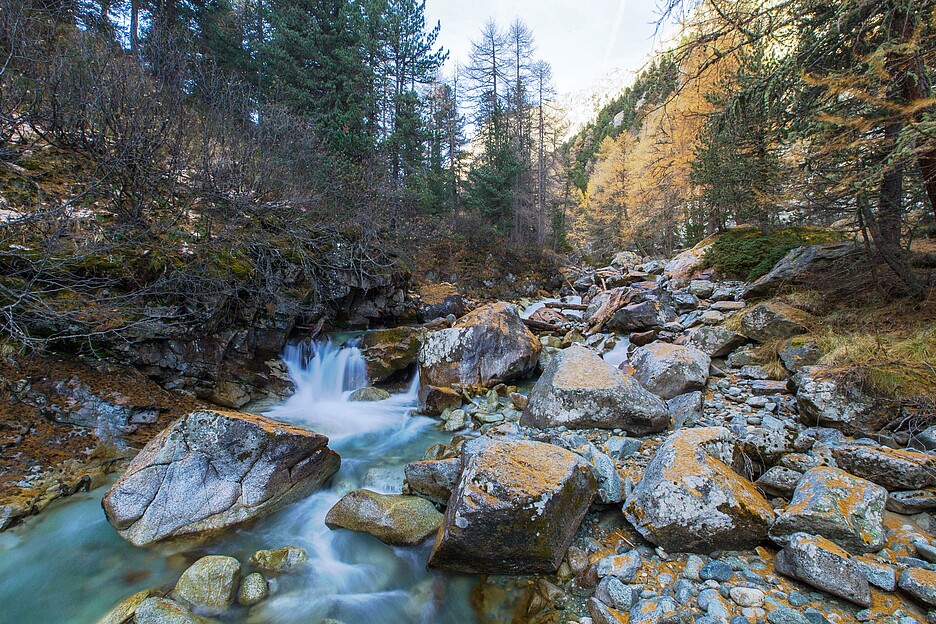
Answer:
[(581, 39)]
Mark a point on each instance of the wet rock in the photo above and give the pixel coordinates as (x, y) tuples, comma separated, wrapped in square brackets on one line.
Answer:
[(894, 469), (485, 347), (686, 409), (919, 583), (394, 519), (653, 610), (368, 395), (126, 607), (716, 342), (579, 389), (213, 470), (433, 400), (773, 321), (824, 565), (229, 394), (779, 481), (253, 590), (209, 583), (912, 502), (516, 508), (433, 479), (164, 611), (668, 370), (387, 352), (690, 500), (623, 567), (280, 560), (827, 401), (798, 265), (837, 506)]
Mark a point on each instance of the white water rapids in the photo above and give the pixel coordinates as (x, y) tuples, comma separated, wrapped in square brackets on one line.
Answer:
[(68, 566)]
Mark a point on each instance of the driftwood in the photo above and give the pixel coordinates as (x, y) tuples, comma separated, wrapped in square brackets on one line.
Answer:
[(566, 306), (541, 326), (615, 302)]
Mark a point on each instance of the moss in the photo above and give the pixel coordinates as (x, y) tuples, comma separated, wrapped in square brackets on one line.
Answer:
[(747, 253)]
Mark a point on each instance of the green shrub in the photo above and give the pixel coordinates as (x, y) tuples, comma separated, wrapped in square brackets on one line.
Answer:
[(747, 253)]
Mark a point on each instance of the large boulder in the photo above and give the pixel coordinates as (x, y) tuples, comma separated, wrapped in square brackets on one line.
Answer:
[(837, 506), (824, 565), (895, 469), (440, 300), (773, 321), (716, 342), (579, 389), (681, 269), (668, 370), (486, 347), (690, 499), (798, 265), (826, 400), (213, 470), (641, 316), (387, 352), (516, 509), (394, 519)]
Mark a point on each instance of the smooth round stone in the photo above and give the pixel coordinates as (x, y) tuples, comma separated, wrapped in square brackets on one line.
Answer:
[(716, 571), (753, 612), (705, 597), (253, 590), (747, 597)]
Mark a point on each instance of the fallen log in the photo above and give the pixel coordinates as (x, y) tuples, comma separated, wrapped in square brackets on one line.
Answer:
[(615, 302), (566, 306), (540, 326)]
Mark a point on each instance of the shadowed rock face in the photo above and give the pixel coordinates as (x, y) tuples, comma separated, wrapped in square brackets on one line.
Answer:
[(213, 470), (579, 389), (485, 347), (515, 510)]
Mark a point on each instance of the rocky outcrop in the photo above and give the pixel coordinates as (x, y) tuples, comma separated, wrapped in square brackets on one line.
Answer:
[(213, 470), (439, 301), (824, 565), (798, 265), (669, 370), (684, 266), (579, 389), (394, 519), (837, 506), (829, 401), (689, 499), (773, 321), (388, 352), (516, 508), (486, 347)]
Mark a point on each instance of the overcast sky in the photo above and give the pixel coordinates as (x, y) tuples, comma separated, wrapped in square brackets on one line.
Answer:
[(581, 39)]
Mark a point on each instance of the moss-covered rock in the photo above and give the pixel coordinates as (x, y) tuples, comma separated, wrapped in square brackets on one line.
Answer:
[(386, 352), (394, 519)]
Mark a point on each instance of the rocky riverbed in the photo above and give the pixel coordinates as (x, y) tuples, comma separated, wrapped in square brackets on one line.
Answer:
[(624, 453)]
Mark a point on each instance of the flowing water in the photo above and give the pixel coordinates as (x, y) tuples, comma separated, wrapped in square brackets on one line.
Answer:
[(68, 566)]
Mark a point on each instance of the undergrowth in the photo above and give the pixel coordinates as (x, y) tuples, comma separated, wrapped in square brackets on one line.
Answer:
[(747, 253)]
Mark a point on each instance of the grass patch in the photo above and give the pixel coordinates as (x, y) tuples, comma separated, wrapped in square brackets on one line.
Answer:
[(747, 253)]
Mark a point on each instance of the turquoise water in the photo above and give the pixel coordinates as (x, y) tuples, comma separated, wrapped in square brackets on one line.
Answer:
[(68, 566)]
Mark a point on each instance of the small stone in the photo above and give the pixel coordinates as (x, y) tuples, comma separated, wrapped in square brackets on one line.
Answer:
[(653, 610), (614, 593), (624, 567), (280, 560), (747, 597), (797, 599), (253, 590), (716, 570), (705, 597), (919, 583), (210, 583), (157, 610), (369, 395), (693, 567), (784, 615)]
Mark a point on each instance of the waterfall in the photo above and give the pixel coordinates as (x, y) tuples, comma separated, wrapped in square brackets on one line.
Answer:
[(323, 371)]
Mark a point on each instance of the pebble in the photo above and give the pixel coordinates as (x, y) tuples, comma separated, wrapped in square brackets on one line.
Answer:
[(716, 570), (797, 599), (784, 615), (693, 566), (705, 597), (683, 591)]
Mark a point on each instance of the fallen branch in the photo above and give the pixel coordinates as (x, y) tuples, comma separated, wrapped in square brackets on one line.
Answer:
[(541, 326), (615, 302)]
